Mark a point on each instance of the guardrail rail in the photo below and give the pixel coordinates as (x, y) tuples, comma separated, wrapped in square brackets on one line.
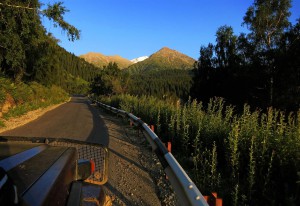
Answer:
[(185, 189)]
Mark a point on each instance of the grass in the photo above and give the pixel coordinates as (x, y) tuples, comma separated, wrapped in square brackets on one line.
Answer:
[(249, 158), (23, 98), (2, 124)]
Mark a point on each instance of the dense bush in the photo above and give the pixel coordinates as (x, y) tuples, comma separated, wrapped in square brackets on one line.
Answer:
[(26, 97), (250, 158)]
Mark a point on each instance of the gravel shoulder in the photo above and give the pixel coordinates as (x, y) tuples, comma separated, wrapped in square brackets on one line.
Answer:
[(135, 174)]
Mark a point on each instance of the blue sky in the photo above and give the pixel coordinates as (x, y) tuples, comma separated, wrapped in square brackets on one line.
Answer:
[(134, 28)]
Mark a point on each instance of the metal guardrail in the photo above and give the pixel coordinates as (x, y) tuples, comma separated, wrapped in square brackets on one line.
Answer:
[(185, 189)]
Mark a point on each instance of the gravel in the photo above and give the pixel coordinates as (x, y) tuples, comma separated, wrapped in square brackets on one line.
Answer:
[(136, 176)]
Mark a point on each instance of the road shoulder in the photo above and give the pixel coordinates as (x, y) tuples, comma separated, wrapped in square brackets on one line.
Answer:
[(135, 174)]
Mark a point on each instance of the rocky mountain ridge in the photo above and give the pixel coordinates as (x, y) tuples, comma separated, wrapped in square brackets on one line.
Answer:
[(101, 60), (164, 58)]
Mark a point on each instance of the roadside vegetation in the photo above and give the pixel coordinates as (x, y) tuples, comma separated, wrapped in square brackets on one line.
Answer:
[(249, 158), (18, 99)]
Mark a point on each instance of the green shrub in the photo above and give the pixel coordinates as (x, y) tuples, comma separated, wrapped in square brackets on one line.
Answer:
[(2, 123), (28, 97), (250, 158)]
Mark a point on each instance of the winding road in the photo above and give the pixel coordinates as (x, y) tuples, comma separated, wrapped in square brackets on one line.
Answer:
[(76, 119)]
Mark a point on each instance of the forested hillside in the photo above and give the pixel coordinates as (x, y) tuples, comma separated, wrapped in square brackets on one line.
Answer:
[(29, 53), (164, 84), (166, 74)]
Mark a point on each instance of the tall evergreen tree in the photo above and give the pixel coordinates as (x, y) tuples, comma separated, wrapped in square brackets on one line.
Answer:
[(288, 75), (225, 48)]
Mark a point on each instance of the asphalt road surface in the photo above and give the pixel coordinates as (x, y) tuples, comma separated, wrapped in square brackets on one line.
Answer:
[(135, 177), (77, 119)]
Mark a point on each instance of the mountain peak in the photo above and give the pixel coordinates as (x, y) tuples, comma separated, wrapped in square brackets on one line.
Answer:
[(170, 53), (166, 49), (101, 60), (165, 58)]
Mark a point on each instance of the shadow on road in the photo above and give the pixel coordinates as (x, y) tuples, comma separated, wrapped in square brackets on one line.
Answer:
[(99, 131), (127, 159), (118, 194)]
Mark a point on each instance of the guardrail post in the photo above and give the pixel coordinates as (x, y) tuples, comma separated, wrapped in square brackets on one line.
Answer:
[(169, 146), (219, 202), (152, 127), (213, 200)]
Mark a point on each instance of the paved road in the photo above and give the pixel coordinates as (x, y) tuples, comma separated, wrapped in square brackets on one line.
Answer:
[(130, 181), (77, 119)]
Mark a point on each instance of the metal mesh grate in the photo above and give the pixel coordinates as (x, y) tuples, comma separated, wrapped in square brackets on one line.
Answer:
[(85, 150), (98, 153)]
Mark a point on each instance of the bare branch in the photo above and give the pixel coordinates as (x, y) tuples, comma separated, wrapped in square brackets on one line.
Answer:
[(279, 19), (54, 12), (20, 7)]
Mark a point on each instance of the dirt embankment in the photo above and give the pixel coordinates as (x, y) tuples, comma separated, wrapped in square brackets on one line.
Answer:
[(7, 104)]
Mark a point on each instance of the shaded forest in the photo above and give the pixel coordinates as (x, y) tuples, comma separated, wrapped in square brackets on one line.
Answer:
[(261, 68), (163, 84)]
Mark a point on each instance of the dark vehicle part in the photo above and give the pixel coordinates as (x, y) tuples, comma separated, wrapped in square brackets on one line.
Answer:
[(8, 193), (49, 171)]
